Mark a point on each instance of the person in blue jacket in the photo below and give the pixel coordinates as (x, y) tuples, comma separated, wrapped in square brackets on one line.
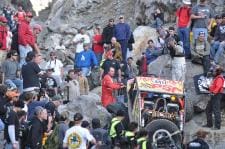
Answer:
[(122, 33), (151, 52), (85, 60)]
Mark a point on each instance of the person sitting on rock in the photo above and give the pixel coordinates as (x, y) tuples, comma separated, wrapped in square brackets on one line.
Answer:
[(151, 52), (116, 48), (218, 44), (158, 18), (201, 51), (85, 60)]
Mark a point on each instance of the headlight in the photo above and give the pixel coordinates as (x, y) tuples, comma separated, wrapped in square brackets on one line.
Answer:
[(173, 98)]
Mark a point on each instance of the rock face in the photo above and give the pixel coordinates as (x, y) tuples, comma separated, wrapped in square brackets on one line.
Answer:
[(89, 106)]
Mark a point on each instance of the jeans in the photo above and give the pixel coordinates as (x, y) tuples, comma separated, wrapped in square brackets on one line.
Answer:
[(15, 83), (184, 34), (213, 107), (206, 64), (124, 44), (214, 47), (157, 23), (99, 57), (85, 71), (197, 30), (219, 52), (2, 125), (23, 53)]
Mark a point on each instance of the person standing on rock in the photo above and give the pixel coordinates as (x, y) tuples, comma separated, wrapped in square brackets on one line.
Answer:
[(122, 33), (178, 60), (3, 38), (108, 32), (97, 44), (26, 39), (108, 86), (213, 106), (201, 16), (79, 40), (183, 23)]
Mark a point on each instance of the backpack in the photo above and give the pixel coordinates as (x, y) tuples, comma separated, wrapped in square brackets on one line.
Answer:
[(53, 140)]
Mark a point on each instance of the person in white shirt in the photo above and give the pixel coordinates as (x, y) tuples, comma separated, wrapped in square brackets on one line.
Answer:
[(79, 41), (58, 67), (77, 137)]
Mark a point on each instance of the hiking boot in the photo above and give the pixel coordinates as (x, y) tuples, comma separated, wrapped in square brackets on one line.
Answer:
[(207, 126)]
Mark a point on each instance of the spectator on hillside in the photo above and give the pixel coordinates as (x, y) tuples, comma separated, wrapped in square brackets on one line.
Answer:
[(48, 83), (201, 51), (26, 38), (3, 38), (151, 52), (217, 22), (83, 82), (12, 126), (171, 33), (63, 127), (178, 60), (76, 136), (130, 69), (8, 13), (116, 48), (201, 16), (36, 31), (86, 60), (218, 44), (108, 86), (11, 71), (72, 85), (183, 23), (100, 134), (122, 33), (8, 38), (79, 40), (57, 65), (38, 128), (160, 42), (111, 62), (31, 71), (20, 14), (108, 32), (158, 17), (97, 44)]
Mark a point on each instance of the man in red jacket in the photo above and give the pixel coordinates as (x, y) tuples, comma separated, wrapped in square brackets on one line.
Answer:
[(108, 86), (213, 106), (3, 38), (26, 38)]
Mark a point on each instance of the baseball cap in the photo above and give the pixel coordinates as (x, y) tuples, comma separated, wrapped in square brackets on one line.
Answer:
[(78, 117), (121, 17)]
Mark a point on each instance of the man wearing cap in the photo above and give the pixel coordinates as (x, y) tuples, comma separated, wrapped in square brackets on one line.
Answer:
[(122, 33), (218, 44), (201, 16), (108, 32), (26, 39), (213, 106), (10, 69), (85, 60), (3, 38), (183, 23), (77, 137)]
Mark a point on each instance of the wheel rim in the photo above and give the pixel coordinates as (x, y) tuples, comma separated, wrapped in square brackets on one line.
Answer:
[(160, 135)]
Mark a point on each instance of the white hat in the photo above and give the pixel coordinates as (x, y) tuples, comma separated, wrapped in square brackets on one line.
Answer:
[(187, 2)]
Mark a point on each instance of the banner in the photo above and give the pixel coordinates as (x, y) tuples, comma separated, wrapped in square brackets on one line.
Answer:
[(159, 85)]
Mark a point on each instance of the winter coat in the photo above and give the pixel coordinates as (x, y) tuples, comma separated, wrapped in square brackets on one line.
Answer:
[(107, 34), (122, 31), (108, 86), (25, 34)]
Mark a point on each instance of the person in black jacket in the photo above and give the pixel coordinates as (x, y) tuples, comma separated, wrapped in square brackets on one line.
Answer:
[(37, 128), (108, 32)]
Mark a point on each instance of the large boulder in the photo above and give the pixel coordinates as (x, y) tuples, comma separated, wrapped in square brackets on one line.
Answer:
[(90, 106)]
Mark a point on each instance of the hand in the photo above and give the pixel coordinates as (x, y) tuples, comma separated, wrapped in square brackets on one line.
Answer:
[(119, 79), (15, 145)]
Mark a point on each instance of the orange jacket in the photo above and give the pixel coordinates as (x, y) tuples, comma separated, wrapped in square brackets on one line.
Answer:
[(217, 85), (107, 90)]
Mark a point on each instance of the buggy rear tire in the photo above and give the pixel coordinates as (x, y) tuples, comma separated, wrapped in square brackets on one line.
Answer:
[(166, 125)]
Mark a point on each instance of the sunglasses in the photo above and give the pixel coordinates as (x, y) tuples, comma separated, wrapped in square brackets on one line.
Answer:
[(15, 54)]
